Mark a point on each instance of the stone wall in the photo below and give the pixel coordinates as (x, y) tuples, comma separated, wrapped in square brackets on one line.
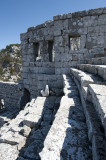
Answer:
[(60, 44), (11, 95)]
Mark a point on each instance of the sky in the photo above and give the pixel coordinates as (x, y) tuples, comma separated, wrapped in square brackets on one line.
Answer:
[(18, 15)]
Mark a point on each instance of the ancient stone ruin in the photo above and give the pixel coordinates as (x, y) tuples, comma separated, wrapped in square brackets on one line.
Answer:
[(58, 109)]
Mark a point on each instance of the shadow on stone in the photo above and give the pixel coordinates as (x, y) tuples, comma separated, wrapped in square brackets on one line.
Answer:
[(35, 141), (76, 145)]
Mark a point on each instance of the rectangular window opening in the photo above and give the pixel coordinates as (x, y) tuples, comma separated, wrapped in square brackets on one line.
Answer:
[(51, 51), (36, 50), (74, 43)]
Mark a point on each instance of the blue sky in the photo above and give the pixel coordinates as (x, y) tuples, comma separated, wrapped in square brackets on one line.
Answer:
[(17, 15)]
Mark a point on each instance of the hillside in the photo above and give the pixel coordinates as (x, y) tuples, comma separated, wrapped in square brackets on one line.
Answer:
[(10, 63)]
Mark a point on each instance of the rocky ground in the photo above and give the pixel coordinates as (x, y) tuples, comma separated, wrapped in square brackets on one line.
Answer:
[(10, 63), (51, 128)]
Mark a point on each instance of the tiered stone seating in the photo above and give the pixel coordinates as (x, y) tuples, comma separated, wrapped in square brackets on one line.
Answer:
[(98, 94), (67, 137), (90, 79), (96, 60), (99, 70)]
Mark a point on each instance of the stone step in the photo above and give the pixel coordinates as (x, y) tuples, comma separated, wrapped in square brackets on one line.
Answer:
[(18, 129), (34, 143), (99, 70), (84, 79), (95, 132), (67, 138), (8, 152), (98, 96), (102, 54), (96, 61)]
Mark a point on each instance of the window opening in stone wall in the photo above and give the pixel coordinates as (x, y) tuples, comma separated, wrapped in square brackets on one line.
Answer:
[(74, 43), (51, 51), (36, 50)]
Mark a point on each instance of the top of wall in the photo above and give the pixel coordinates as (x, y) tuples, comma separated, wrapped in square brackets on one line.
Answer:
[(91, 12)]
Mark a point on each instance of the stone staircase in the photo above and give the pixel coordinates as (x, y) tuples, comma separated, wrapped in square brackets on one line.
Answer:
[(48, 128), (90, 80), (67, 138), (61, 128)]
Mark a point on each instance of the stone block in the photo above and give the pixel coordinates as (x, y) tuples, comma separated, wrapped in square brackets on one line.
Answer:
[(102, 19), (90, 21)]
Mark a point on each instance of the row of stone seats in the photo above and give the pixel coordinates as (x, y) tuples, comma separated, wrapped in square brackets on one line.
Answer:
[(93, 116), (13, 136), (98, 59), (90, 79), (67, 138), (95, 65), (99, 70)]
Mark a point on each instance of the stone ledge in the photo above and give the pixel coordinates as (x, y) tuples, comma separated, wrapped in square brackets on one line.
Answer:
[(96, 61), (98, 94), (91, 12), (99, 70), (93, 123)]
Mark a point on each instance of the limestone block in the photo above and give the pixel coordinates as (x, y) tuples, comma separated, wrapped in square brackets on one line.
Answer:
[(62, 114), (92, 30), (102, 19), (61, 24), (13, 139), (65, 57), (98, 98), (102, 28), (45, 93), (75, 23), (49, 37), (44, 70), (25, 64), (57, 32), (91, 42), (23, 36), (59, 71), (82, 41), (90, 21), (8, 152), (32, 121)]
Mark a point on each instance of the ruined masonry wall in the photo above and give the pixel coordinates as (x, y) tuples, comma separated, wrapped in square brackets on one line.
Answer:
[(11, 95), (75, 37)]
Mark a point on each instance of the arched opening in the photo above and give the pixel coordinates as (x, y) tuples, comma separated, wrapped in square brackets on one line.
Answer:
[(25, 98)]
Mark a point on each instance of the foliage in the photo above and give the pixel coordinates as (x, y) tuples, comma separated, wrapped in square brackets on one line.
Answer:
[(10, 62)]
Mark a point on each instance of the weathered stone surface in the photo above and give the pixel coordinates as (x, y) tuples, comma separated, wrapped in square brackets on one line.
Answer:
[(100, 70), (95, 128), (51, 127), (75, 37), (8, 152), (99, 100), (67, 136), (96, 61)]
